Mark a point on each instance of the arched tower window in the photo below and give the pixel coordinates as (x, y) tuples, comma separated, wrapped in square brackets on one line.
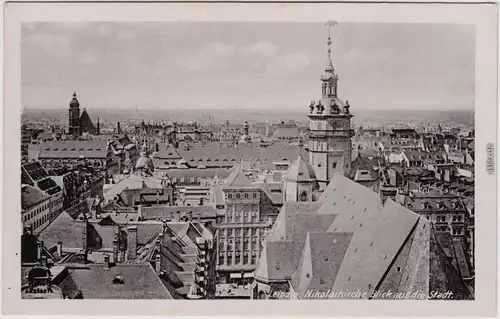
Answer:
[(303, 196)]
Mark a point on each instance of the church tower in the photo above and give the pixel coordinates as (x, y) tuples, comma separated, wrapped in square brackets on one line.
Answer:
[(74, 117), (330, 130)]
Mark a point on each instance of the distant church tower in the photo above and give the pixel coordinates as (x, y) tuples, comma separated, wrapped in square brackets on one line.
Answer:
[(74, 116), (330, 127)]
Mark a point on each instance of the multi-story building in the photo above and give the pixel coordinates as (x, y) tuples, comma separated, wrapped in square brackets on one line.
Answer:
[(35, 208), (330, 130), (448, 215), (35, 175), (241, 229), (78, 183)]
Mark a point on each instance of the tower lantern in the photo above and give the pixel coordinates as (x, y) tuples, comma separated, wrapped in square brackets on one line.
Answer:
[(330, 126)]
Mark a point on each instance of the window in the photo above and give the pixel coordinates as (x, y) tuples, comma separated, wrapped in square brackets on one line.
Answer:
[(229, 195), (303, 196), (334, 165), (254, 195), (237, 195), (246, 195)]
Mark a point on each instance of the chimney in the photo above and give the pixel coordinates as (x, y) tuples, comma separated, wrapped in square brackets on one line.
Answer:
[(39, 251), (59, 248), (158, 263), (115, 249), (157, 197), (44, 261), (106, 262), (139, 212), (132, 243), (81, 226), (158, 244), (118, 128), (93, 210)]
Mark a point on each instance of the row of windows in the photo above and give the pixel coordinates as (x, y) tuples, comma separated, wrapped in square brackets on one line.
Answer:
[(238, 217), (442, 218), (36, 212), (288, 138), (238, 260), (237, 241), (245, 231), (243, 208), (454, 230), (241, 195), (40, 222)]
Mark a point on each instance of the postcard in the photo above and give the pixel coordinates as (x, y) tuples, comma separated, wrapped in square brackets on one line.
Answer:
[(329, 154)]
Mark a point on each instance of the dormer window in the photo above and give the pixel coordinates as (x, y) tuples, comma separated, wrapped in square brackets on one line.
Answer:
[(118, 279)]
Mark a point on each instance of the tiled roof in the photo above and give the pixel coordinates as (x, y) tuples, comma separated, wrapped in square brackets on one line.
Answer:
[(362, 164), (321, 259), (31, 196), (35, 171), (278, 260), (378, 236), (274, 191), (132, 181), (147, 230), (237, 179), (197, 173), (104, 235), (73, 149), (139, 282), (286, 132), (169, 153), (300, 171), (166, 212), (64, 229), (373, 246), (433, 202)]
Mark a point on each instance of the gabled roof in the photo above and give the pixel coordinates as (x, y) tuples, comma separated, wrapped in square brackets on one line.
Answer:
[(278, 260), (73, 149), (320, 262), (31, 196), (64, 229), (237, 179), (300, 171), (139, 282), (374, 246), (362, 169)]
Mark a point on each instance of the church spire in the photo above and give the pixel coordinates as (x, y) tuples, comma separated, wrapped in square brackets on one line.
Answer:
[(329, 64)]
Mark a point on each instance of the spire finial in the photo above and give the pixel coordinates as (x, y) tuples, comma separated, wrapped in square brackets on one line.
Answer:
[(330, 24), (74, 95)]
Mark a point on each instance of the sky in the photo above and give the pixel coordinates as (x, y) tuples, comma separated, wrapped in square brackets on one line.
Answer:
[(250, 65)]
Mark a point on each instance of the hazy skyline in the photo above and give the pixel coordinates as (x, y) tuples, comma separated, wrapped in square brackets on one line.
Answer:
[(167, 65)]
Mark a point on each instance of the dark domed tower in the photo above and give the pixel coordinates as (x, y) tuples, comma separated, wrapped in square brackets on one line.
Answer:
[(74, 116)]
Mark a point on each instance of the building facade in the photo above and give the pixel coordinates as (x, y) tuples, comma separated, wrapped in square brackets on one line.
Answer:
[(241, 230), (35, 208)]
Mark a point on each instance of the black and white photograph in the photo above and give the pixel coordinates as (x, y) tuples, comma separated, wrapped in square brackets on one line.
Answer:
[(245, 160)]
